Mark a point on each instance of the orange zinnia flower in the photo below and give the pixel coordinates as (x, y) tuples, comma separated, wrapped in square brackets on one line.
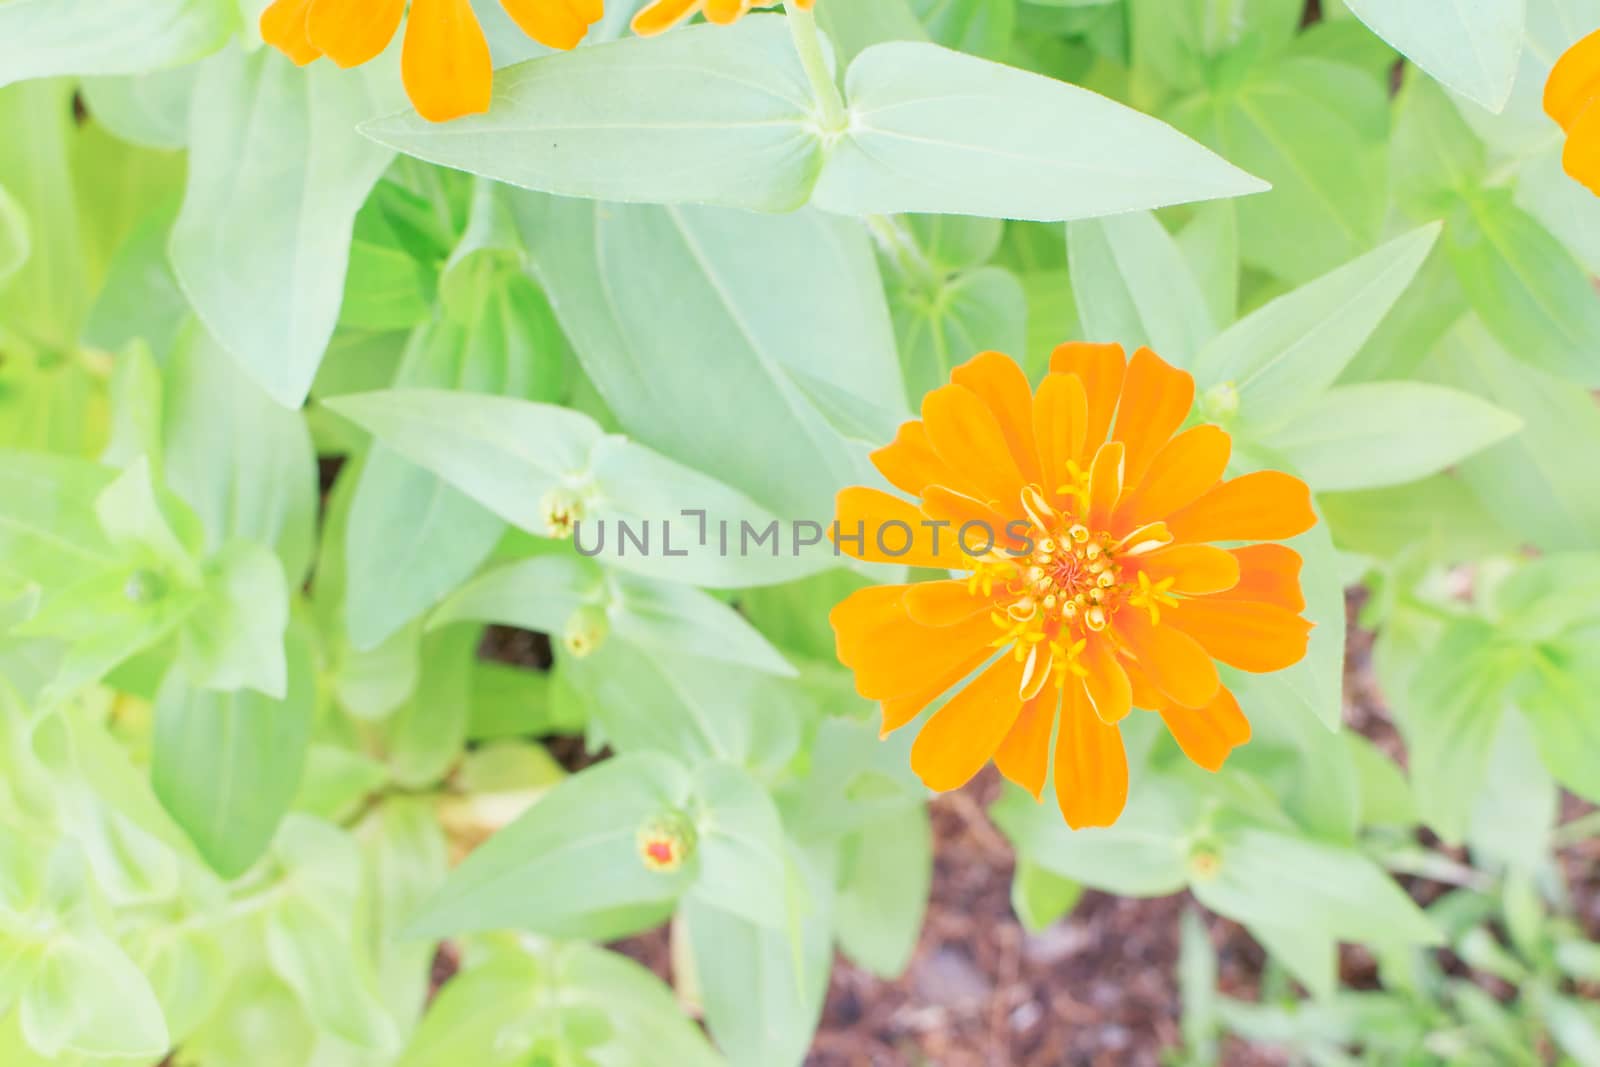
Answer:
[(1572, 98), (445, 59), (1099, 590), (665, 14)]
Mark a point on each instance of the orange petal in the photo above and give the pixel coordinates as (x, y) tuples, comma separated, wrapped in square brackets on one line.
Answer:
[(909, 461), (445, 62), (897, 711), (1091, 765), (1156, 398), (1105, 483), (944, 603), (1247, 634), (1145, 693), (1271, 573), (1106, 685), (1003, 388), (724, 12), (1185, 468), (283, 26), (553, 23), (1024, 755), (891, 530), (859, 617), (351, 32), (968, 438), (1195, 570), (1574, 81), (959, 510), (961, 736), (1100, 367), (1264, 506), (663, 15), (1207, 735), (1060, 418), (1173, 661), (906, 658), (1581, 158)]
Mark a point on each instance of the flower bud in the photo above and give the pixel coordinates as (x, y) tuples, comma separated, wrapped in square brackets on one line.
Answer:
[(666, 842), (585, 631), (563, 508)]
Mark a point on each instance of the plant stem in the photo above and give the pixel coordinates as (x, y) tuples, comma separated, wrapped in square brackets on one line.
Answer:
[(808, 43)]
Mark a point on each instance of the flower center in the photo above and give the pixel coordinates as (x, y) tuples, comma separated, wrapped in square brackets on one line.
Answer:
[(1068, 586)]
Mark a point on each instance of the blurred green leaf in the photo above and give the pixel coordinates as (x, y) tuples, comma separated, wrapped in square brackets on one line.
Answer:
[(1134, 287), (43, 38), (226, 765)]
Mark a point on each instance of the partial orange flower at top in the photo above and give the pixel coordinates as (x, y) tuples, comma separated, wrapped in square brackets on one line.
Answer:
[(1572, 98), (445, 59), (662, 15), (1082, 518)]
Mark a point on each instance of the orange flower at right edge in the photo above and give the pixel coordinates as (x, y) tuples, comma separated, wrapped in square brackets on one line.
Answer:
[(1101, 591), (1572, 98)]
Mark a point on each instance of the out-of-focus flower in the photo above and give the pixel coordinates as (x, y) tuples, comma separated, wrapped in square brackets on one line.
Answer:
[(445, 58), (1572, 98), (664, 14)]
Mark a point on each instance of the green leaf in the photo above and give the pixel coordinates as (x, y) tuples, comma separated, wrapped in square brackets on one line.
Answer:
[(853, 28), (1532, 294), (1388, 433), (43, 304), (1559, 704), (1516, 801), (509, 455), (1143, 855), (1471, 47), (1434, 156), (1288, 351), (672, 312), (740, 848), (1040, 898), (44, 38), (49, 532), (711, 115), (1315, 130), (1450, 717), (1305, 952), (570, 865), (1263, 876), (227, 765), (234, 639), (428, 734), (16, 239), (887, 868), (315, 956), (276, 176), (1197, 986), (573, 1003), (149, 109), (1134, 288), (762, 997), (88, 997), (1530, 482), (981, 27), (953, 319), (923, 137)]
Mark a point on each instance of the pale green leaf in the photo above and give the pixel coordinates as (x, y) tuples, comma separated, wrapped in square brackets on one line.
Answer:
[(1388, 433), (923, 136), (1291, 349), (1470, 45), (1134, 287), (227, 765), (43, 38), (709, 114), (276, 176)]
